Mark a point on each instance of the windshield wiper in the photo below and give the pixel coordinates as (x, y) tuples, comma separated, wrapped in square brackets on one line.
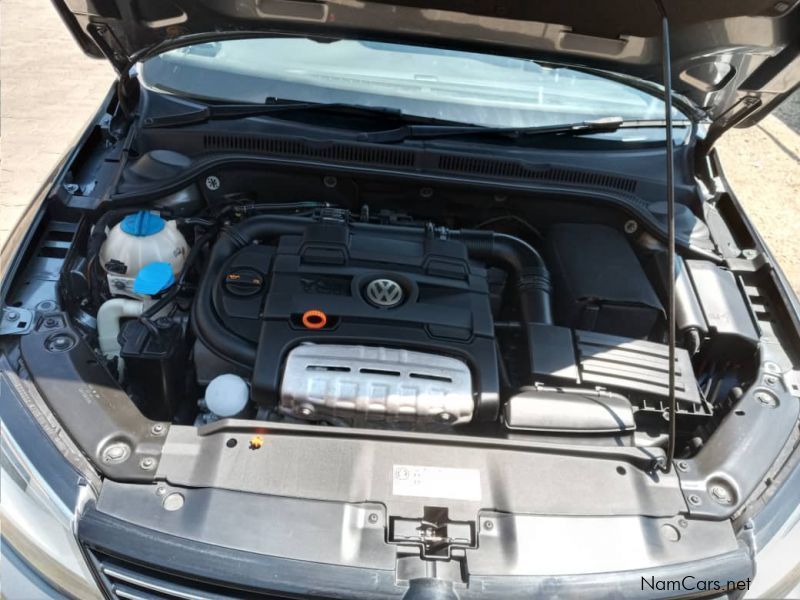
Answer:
[(204, 113), (416, 132)]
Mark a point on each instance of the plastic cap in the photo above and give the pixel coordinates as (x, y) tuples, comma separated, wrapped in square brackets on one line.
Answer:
[(142, 224), (153, 279), (227, 395)]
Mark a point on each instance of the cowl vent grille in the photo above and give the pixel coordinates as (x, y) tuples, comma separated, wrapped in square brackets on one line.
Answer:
[(337, 152), (424, 160), (516, 170)]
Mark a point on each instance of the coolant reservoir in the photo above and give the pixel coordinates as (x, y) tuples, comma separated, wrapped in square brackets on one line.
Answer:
[(138, 240)]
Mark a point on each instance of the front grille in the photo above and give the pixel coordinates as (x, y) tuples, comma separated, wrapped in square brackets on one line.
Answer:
[(130, 581)]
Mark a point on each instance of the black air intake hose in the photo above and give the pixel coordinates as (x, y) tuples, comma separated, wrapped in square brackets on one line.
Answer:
[(206, 325), (513, 254)]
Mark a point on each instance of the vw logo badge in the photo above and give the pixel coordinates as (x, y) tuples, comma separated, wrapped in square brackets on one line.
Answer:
[(384, 293)]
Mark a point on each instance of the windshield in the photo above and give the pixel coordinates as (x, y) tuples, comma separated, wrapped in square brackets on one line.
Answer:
[(465, 87)]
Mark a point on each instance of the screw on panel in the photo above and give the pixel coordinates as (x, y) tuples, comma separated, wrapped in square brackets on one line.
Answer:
[(116, 453), (682, 465), (158, 429), (12, 315), (59, 342), (670, 533), (305, 410), (770, 379), (721, 494), (446, 417), (161, 490), (212, 182), (750, 254), (766, 399), (488, 525), (329, 181), (631, 226), (695, 499), (46, 305), (173, 502), (373, 518), (147, 463)]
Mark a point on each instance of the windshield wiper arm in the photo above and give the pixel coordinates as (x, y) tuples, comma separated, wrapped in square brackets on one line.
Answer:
[(210, 112), (604, 125), (417, 132)]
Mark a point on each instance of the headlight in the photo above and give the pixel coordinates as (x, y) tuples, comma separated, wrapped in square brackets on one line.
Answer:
[(777, 530), (38, 526)]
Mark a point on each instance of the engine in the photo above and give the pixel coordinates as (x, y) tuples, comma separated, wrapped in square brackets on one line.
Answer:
[(340, 318), (362, 323)]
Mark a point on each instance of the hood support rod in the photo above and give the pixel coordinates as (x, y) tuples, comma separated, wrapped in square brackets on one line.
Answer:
[(666, 67)]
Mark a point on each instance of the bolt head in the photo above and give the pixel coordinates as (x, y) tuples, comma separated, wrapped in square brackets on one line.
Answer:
[(631, 226), (212, 182), (670, 533), (721, 494), (173, 502), (683, 465), (488, 525), (373, 518), (12, 315), (59, 343), (694, 499), (116, 453), (147, 463), (766, 399)]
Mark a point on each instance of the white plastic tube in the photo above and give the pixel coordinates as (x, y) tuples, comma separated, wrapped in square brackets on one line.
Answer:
[(108, 318)]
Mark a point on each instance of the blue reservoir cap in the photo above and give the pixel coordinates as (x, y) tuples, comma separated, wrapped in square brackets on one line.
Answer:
[(153, 278), (142, 224)]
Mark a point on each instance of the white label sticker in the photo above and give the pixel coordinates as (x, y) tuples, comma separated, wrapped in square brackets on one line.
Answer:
[(436, 482)]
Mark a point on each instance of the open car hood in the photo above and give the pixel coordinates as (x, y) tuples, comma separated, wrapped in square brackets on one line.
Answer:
[(734, 59)]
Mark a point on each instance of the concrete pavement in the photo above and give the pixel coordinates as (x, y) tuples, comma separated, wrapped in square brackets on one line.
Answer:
[(48, 90)]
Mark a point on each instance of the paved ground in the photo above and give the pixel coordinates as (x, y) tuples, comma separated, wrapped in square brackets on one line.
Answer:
[(49, 90)]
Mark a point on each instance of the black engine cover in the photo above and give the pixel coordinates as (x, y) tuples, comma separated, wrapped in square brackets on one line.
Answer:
[(444, 306)]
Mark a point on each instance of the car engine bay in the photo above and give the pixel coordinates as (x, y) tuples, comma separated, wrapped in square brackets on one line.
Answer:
[(231, 304)]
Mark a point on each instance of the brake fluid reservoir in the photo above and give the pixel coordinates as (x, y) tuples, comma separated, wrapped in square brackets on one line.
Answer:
[(138, 240)]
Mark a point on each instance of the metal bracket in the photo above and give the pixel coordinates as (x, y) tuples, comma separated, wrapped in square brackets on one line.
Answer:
[(434, 533), (15, 321), (792, 381)]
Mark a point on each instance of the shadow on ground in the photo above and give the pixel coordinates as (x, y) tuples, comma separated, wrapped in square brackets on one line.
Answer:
[(789, 112)]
